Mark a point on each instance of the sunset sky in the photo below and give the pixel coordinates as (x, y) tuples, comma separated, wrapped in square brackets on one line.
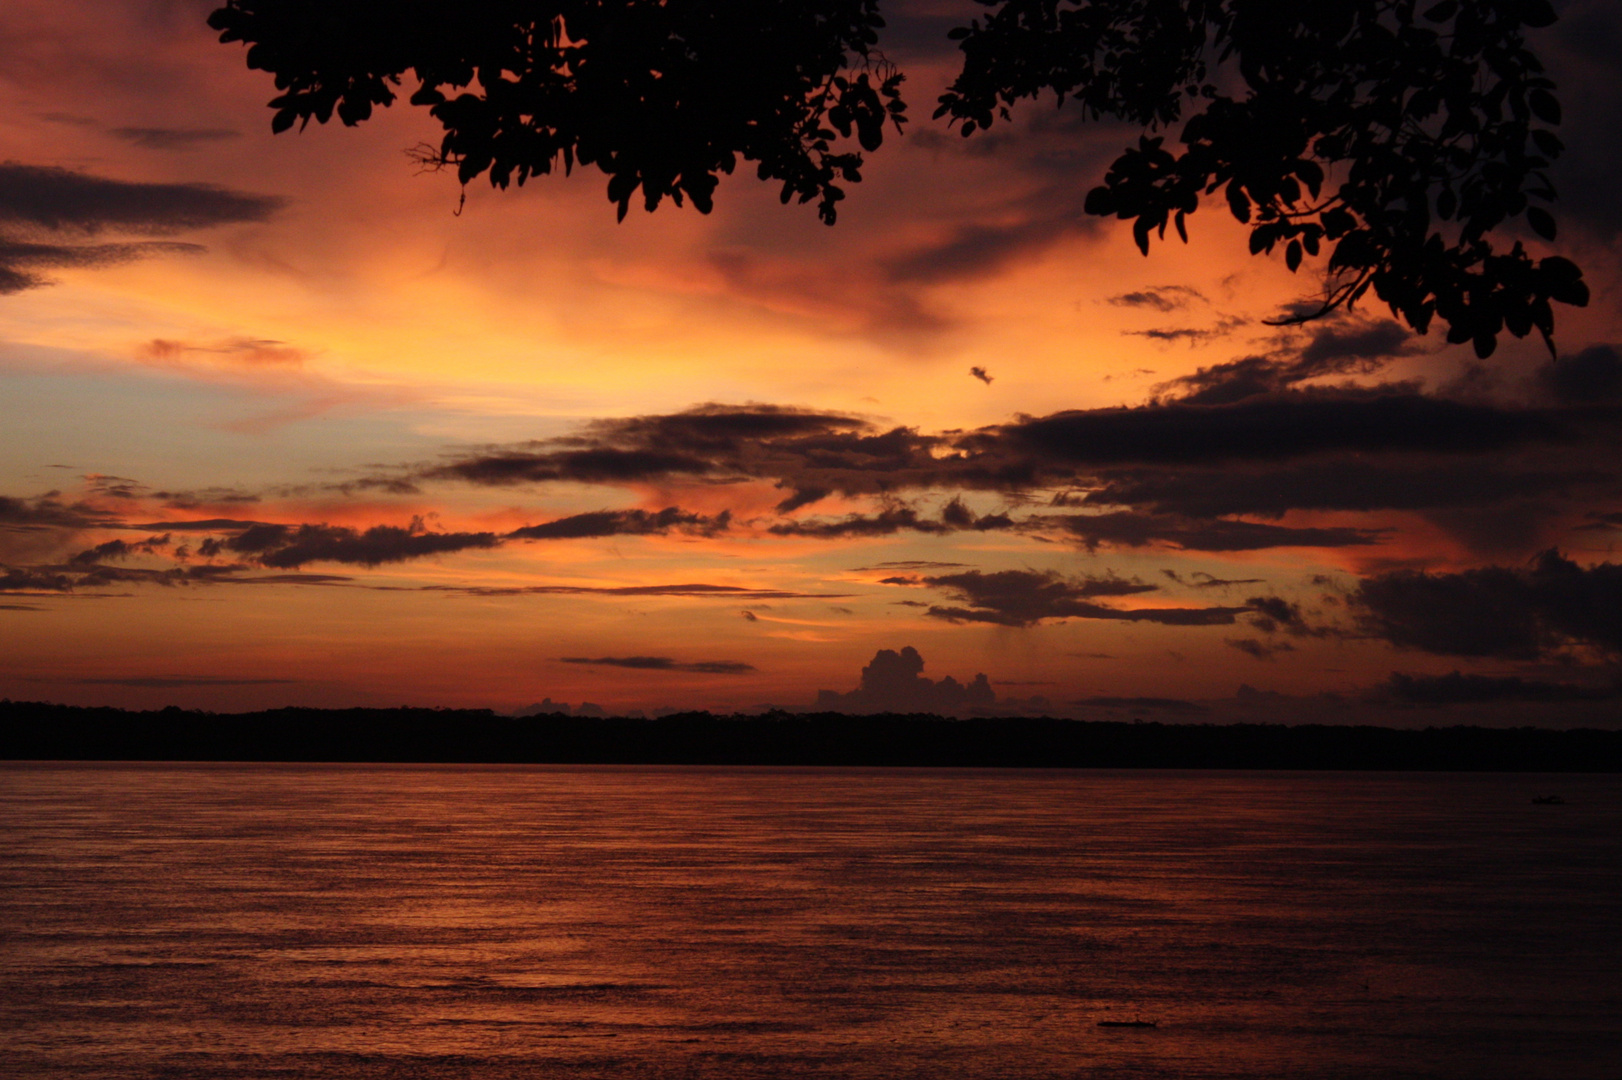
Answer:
[(485, 454)]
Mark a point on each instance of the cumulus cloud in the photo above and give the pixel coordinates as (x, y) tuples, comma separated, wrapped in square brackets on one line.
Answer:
[(894, 682)]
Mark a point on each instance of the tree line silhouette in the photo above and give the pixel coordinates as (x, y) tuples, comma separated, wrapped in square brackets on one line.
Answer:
[(36, 731)]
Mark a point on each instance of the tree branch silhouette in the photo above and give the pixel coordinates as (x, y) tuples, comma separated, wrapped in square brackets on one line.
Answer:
[(1399, 144)]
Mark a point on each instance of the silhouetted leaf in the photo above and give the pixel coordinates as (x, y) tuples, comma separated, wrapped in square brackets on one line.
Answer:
[(1544, 106)]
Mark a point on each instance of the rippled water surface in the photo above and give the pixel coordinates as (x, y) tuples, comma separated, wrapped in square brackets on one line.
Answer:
[(482, 923)]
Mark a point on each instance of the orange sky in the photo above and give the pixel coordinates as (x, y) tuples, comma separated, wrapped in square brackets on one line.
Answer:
[(333, 359)]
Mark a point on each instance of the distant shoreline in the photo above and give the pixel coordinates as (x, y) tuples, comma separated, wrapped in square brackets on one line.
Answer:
[(34, 731)]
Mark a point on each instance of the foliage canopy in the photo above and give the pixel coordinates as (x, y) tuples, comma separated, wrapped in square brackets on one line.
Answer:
[(1396, 141)]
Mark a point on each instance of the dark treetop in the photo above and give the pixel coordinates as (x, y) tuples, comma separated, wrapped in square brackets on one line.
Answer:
[(1395, 139)]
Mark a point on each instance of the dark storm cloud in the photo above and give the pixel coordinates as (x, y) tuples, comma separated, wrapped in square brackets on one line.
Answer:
[(1182, 471), (711, 442), (287, 547), (894, 682), (1357, 350), (115, 487), (1053, 161), (1191, 334), (1594, 374), (1598, 521), (36, 200), (694, 591), (159, 138), (1134, 455), (119, 549), (884, 523), (804, 496), (955, 517), (593, 466), (1160, 298), (810, 454), (49, 511), (1028, 597), (19, 260), (1459, 689), (1276, 426), (1335, 484), (15, 580), (1132, 529), (1199, 579), (204, 525), (44, 197), (204, 497), (1338, 347), (624, 523), (1274, 613), (231, 578), (664, 663), (983, 248), (1512, 612), (73, 577), (1261, 650)]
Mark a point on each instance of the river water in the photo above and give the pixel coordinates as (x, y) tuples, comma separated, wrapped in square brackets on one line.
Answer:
[(507, 923)]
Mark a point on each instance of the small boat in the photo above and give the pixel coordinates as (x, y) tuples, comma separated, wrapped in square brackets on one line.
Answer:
[(1129, 1023), (1548, 800)]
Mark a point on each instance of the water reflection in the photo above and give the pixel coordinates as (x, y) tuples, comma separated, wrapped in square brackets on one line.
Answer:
[(479, 923)]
